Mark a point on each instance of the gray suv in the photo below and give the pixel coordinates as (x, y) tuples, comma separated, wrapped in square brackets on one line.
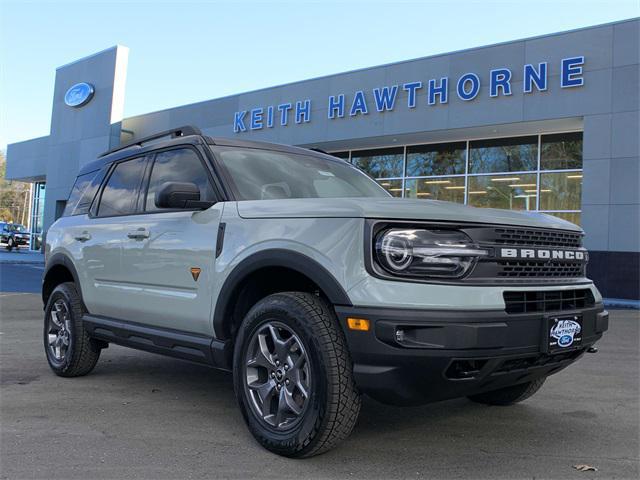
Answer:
[(306, 279)]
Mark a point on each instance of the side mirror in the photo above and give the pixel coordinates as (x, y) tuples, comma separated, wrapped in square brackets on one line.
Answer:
[(180, 195)]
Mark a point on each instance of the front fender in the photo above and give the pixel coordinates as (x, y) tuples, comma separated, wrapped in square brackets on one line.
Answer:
[(276, 258)]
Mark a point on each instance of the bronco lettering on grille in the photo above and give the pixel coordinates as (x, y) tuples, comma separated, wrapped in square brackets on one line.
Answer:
[(543, 254)]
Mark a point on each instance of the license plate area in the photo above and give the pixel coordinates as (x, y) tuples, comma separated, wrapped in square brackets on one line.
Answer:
[(563, 333)]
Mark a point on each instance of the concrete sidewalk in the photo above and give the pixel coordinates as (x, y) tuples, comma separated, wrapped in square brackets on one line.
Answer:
[(21, 256)]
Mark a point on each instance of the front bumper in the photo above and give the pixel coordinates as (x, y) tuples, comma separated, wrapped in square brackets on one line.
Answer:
[(447, 354)]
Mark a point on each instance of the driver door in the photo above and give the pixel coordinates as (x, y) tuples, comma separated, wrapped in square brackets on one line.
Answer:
[(168, 255)]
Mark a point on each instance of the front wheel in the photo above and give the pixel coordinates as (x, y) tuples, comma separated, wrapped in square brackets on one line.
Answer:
[(509, 395), (293, 375), (10, 244)]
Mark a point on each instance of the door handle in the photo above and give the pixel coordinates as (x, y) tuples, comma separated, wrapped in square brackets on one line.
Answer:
[(83, 237), (139, 234)]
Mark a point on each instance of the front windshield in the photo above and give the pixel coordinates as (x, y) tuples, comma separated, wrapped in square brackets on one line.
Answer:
[(266, 175), (17, 228)]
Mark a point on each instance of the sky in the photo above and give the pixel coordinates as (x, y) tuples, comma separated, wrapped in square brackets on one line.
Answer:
[(185, 51)]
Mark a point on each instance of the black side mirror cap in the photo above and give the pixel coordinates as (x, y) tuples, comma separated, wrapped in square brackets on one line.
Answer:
[(180, 195)]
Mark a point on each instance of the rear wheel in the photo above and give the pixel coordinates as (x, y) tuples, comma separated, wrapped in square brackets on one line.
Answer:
[(509, 395), (69, 349), (293, 375)]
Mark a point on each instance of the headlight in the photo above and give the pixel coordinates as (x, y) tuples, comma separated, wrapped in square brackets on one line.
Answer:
[(423, 253)]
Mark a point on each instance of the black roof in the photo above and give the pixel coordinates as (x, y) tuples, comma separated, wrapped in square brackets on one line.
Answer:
[(188, 135)]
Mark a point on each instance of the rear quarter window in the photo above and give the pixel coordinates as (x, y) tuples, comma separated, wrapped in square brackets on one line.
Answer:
[(82, 193)]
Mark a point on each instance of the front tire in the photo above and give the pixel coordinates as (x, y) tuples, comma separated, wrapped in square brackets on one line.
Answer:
[(10, 244), (69, 349), (293, 375), (509, 395)]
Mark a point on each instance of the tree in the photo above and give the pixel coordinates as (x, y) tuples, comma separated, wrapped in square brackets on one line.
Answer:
[(14, 197)]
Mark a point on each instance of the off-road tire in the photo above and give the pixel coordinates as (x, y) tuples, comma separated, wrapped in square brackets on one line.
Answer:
[(335, 401), (83, 352), (509, 395)]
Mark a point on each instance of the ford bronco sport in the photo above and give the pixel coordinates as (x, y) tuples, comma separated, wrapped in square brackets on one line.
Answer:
[(301, 275)]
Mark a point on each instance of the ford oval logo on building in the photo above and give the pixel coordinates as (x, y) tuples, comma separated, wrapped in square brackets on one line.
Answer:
[(79, 94)]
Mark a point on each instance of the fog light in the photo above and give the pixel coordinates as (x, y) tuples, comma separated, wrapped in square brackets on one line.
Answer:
[(361, 324)]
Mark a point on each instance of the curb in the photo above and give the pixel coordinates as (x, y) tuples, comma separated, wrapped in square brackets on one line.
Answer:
[(21, 262), (621, 303)]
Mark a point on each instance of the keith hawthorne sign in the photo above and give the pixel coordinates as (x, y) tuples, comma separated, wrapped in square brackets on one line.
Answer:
[(383, 99)]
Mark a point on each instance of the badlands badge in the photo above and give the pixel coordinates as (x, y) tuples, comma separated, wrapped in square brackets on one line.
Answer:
[(565, 333)]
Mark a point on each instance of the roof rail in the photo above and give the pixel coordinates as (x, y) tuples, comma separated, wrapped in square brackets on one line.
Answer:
[(173, 133), (319, 150)]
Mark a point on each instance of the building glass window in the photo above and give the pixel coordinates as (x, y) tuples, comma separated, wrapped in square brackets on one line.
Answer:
[(561, 151), (519, 154), (394, 187), (573, 217), (451, 189), (560, 191), (37, 215), (380, 163), (536, 172), (436, 159), (513, 192)]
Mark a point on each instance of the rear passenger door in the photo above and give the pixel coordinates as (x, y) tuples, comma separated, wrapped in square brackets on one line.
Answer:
[(168, 255), (99, 237)]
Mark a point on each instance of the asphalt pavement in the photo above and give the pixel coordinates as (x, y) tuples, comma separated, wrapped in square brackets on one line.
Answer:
[(21, 270), (16, 277), (139, 415)]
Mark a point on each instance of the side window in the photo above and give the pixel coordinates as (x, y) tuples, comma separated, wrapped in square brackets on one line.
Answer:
[(121, 191), (182, 165), (82, 193)]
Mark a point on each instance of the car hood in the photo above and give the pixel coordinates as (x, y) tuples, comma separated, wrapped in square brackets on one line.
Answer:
[(395, 208)]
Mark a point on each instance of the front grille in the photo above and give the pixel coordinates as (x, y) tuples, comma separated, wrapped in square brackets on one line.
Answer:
[(548, 301), (537, 238), (522, 269), (519, 270)]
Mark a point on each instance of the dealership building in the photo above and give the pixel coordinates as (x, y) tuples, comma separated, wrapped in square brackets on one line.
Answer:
[(547, 124)]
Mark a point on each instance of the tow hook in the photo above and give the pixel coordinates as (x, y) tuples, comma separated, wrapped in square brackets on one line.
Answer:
[(592, 350)]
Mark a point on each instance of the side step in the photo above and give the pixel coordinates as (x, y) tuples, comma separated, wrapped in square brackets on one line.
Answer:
[(173, 343)]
